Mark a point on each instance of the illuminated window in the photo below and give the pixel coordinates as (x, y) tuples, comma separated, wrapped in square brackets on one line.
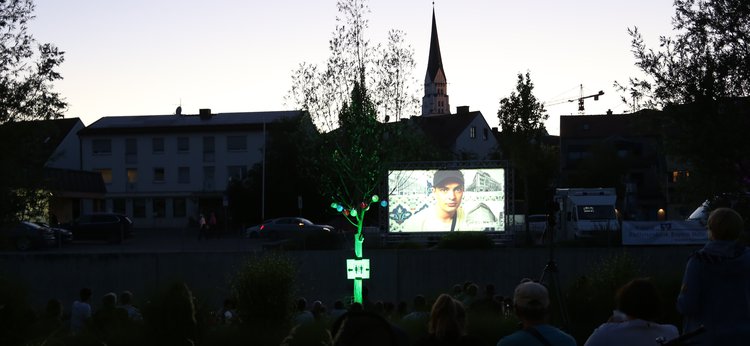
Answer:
[(132, 175), (106, 175)]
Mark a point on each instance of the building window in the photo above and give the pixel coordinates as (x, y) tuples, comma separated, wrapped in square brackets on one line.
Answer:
[(139, 207), (208, 149), (132, 175), (157, 144), (179, 207), (183, 144), (159, 207), (486, 133), (131, 150), (236, 172), (118, 205), (106, 174), (101, 147), (208, 177), (473, 132), (183, 175), (236, 143), (159, 174)]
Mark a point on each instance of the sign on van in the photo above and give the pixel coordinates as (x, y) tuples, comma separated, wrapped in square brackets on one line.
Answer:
[(663, 233)]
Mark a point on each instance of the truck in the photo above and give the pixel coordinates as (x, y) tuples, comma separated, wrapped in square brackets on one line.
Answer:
[(585, 212)]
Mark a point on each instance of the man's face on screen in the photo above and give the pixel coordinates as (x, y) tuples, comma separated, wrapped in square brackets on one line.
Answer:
[(448, 196)]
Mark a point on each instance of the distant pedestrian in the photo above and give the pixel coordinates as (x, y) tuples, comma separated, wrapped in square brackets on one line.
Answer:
[(202, 227), (212, 225)]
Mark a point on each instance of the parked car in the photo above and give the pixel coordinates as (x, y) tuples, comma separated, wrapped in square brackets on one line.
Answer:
[(26, 235), (286, 227), (101, 226), (62, 236)]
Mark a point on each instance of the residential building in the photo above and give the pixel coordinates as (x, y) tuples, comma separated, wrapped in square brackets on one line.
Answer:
[(165, 170), (617, 149), (465, 134)]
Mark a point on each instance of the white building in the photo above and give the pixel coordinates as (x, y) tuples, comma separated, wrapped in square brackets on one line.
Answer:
[(165, 170)]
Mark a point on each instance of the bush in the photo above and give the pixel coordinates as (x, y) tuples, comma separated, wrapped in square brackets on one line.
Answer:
[(265, 291), (465, 241), (590, 300)]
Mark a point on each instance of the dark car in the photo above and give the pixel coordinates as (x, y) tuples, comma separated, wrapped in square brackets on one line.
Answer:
[(101, 226), (62, 236), (285, 228), (25, 236)]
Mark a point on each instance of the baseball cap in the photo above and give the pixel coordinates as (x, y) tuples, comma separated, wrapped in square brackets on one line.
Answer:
[(530, 294), (444, 176)]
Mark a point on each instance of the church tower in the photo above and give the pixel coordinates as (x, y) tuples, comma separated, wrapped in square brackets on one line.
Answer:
[(435, 100)]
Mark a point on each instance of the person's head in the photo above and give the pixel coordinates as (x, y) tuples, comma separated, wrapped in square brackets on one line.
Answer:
[(54, 308), (301, 304), (420, 303), (85, 294), (724, 224), (338, 305), (530, 301), (109, 300), (362, 329), (447, 318), (126, 298), (639, 299), (448, 188)]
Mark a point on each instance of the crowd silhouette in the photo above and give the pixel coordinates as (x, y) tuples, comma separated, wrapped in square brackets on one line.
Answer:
[(715, 295)]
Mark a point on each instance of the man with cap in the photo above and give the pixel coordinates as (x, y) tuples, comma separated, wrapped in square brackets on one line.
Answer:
[(530, 303), (446, 215)]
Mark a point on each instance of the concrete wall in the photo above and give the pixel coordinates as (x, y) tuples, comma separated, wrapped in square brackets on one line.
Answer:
[(396, 274)]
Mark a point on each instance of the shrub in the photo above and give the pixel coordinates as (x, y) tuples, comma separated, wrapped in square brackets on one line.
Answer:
[(465, 241), (265, 291), (590, 299)]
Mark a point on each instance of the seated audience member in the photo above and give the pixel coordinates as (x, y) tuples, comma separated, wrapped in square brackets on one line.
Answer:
[(716, 286), (126, 302), (638, 306), (447, 324), (302, 315), (530, 304), (363, 328)]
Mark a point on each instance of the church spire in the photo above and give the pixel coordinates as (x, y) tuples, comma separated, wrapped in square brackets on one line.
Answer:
[(435, 100)]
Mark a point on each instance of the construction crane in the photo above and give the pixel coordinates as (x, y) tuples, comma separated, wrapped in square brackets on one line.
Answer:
[(581, 109)]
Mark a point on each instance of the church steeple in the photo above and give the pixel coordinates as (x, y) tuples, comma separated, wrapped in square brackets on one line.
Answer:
[(435, 100)]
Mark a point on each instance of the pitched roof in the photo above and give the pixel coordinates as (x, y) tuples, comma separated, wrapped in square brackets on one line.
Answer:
[(445, 129), (50, 133), (435, 61), (238, 121)]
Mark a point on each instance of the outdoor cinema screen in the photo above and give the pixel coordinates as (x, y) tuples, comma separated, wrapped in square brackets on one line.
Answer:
[(446, 200)]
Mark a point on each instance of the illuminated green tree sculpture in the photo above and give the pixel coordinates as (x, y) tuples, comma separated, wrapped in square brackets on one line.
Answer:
[(354, 152)]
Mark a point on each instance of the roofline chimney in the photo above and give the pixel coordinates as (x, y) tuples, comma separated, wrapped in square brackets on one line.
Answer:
[(205, 113)]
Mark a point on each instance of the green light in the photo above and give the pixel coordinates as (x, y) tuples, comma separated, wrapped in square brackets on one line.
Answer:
[(334, 205), (375, 198), (354, 212)]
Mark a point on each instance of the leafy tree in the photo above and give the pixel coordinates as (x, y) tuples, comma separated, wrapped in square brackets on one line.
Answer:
[(387, 72), (521, 118), (696, 77), (27, 71)]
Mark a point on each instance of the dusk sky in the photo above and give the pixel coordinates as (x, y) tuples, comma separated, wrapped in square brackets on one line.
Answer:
[(145, 57)]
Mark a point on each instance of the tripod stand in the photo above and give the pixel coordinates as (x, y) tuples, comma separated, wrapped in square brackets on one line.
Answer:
[(550, 273)]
